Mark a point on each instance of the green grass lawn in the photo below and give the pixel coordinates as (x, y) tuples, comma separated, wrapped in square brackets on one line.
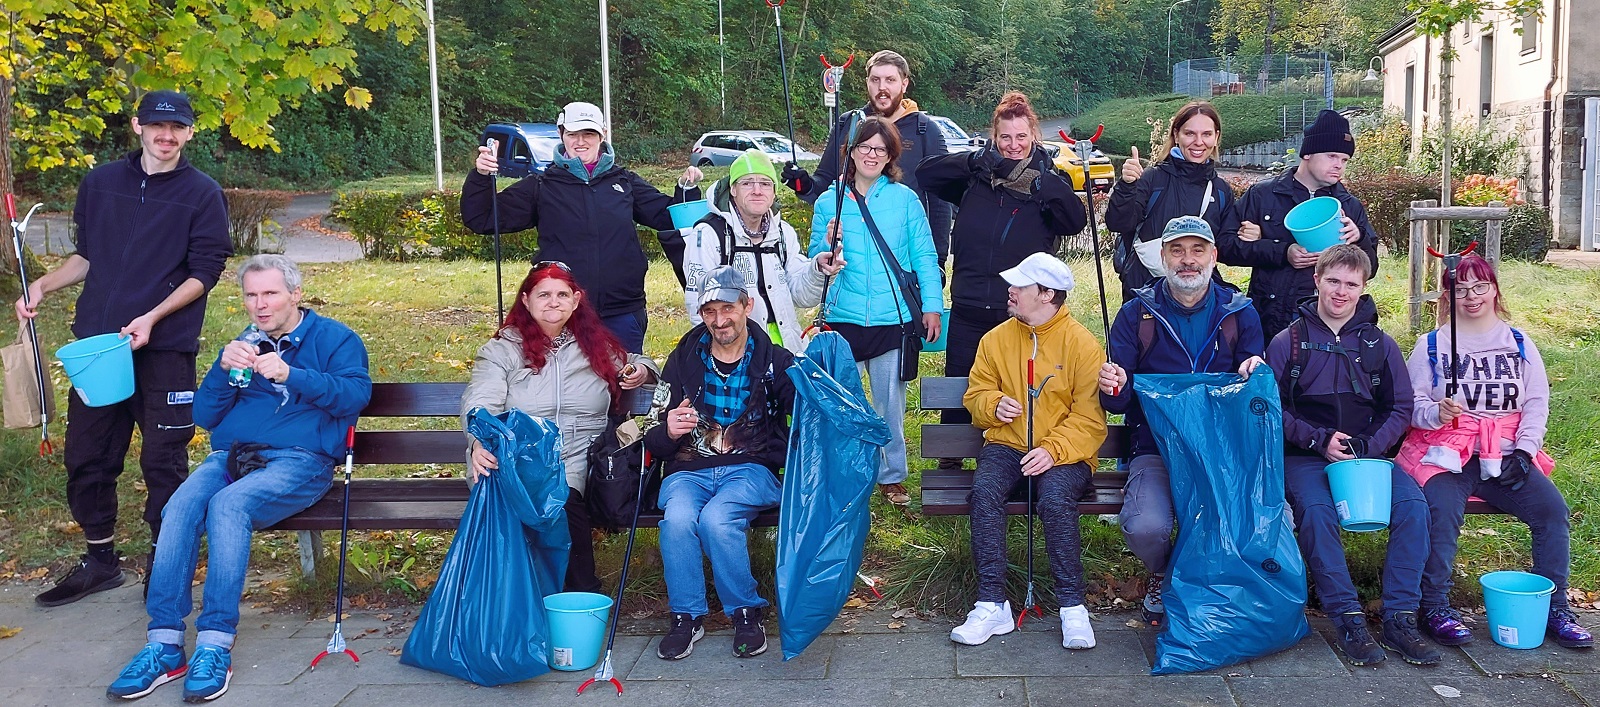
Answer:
[(424, 321)]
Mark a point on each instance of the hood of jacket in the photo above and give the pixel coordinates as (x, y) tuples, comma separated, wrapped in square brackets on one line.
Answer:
[(575, 167), (1366, 314)]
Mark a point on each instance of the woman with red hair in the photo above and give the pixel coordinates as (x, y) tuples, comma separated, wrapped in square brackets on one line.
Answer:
[(553, 358)]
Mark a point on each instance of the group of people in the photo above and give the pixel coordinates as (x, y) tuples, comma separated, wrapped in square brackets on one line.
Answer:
[(880, 237)]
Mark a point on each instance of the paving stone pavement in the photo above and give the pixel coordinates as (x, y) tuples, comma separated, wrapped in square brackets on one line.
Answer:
[(67, 655)]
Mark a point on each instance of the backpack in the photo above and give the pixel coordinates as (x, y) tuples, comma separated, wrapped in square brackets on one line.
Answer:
[(1369, 355), (1433, 352), (612, 489)]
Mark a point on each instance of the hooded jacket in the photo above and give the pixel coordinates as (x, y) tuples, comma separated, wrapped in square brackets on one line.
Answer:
[(864, 292), (1067, 418), (995, 227), (761, 433), (1167, 353), (1275, 287), (585, 220), (1334, 393), (780, 285), (144, 235), (1139, 211)]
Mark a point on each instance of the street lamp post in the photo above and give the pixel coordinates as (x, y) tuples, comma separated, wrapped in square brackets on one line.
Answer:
[(433, 85), (1169, 31)]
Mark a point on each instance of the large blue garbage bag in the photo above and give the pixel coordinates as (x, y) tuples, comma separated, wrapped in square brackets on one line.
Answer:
[(1236, 586), (827, 487), (484, 621)]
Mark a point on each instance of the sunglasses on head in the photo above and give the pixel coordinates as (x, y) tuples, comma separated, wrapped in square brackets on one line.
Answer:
[(552, 264)]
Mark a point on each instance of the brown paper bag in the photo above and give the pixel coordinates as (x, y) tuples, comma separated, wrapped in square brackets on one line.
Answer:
[(21, 388)]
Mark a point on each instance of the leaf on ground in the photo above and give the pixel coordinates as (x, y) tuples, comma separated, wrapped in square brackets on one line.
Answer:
[(854, 603), (904, 614), (37, 574), (385, 617), (1446, 691), (1133, 623), (9, 631), (897, 624), (391, 650)]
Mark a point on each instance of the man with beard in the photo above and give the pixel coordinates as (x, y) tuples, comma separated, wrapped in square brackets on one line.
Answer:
[(724, 436), (1181, 323), (888, 78)]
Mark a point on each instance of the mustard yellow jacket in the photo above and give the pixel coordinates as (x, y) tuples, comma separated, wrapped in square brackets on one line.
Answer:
[(1068, 420)]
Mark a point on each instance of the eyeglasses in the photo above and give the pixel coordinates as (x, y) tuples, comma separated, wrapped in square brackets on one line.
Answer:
[(755, 183), (552, 264), (1480, 289), (866, 150)]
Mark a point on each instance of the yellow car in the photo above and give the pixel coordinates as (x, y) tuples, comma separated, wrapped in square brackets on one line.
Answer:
[(1101, 173)]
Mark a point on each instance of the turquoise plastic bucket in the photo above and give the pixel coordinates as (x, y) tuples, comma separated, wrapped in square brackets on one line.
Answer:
[(101, 368), (578, 623), (1361, 493), (944, 333), (1315, 223), (1518, 605), (686, 214)]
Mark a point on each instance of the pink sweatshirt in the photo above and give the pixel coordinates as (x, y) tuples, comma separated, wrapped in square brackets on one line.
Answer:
[(1495, 382)]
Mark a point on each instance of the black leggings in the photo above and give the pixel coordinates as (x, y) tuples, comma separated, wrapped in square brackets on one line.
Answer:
[(1058, 491)]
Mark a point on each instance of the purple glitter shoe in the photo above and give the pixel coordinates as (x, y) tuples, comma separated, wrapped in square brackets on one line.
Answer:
[(1568, 633), (1445, 628)]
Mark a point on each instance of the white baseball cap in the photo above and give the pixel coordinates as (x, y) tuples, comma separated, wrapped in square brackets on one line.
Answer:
[(581, 116), (1040, 269)]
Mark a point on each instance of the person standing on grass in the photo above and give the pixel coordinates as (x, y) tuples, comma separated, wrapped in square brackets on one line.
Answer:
[(1346, 395), (1070, 427), (275, 441), (585, 206), (152, 241), (1486, 442), (1180, 323)]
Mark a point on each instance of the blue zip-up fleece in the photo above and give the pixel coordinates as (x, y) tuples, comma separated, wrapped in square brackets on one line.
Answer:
[(144, 235), (326, 389), (1169, 354)]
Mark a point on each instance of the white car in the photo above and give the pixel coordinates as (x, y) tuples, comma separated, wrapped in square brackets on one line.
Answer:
[(722, 147), (956, 139)]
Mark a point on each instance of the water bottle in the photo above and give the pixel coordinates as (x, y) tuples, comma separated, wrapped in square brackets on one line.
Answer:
[(240, 377)]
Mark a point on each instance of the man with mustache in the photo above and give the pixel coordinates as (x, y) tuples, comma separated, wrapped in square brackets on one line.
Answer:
[(155, 230), (888, 78), (1181, 323)]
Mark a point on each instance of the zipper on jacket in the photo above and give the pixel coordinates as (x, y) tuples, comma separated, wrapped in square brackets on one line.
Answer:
[(133, 229)]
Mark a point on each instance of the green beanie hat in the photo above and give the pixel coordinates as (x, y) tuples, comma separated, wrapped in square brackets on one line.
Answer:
[(752, 162)]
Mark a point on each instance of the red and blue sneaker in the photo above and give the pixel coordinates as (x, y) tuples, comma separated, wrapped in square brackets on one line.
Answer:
[(155, 665), (210, 670), (1568, 632), (1444, 626)]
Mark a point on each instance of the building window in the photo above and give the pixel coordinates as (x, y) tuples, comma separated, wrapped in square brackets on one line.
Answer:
[(1410, 94), (1530, 33)]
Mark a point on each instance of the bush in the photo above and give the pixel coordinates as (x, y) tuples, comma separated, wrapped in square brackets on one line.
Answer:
[(435, 224), (1474, 149), (375, 219), (1387, 195), (1383, 141), (1525, 235), (250, 211)]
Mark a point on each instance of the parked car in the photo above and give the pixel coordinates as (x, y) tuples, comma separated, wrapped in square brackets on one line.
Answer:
[(722, 147), (956, 139), (525, 148), (1101, 174)]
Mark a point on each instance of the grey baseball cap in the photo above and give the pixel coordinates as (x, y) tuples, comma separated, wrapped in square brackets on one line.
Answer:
[(1187, 226), (723, 284)]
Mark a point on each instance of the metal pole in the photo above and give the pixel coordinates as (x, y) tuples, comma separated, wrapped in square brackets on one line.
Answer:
[(722, 62), (605, 71), (1169, 31), (433, 83)]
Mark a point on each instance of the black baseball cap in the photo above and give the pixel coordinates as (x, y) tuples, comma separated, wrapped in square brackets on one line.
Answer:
[(165, 107)]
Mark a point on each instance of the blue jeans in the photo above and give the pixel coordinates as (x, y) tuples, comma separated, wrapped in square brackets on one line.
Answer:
[(1317, 528), (629, 329), (292, 480), (1538, 503), (709, 510), (1146, 515), (882, 375)]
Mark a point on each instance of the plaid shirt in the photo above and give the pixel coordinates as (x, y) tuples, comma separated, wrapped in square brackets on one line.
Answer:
[(726, 396)]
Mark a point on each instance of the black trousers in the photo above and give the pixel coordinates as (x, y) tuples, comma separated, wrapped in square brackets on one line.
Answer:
[(98, 439), (967, 326), (580, 561)]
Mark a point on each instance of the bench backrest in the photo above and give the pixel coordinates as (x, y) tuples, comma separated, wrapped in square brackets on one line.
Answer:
[(962, 441)]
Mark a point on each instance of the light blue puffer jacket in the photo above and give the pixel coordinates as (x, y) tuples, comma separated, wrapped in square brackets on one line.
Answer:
[(865, 293)]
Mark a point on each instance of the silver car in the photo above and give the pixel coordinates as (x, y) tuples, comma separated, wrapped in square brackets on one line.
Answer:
[(722, 147), (956, 139)]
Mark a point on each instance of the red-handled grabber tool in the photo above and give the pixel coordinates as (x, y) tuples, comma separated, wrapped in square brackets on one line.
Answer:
[(19, 229), (336, 642)]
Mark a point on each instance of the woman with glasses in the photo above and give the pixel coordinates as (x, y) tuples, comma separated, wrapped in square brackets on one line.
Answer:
[(1484, 440), (555, 359), (744, 230), (866, 303)]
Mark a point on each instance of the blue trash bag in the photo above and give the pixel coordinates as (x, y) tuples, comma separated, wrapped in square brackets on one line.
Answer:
[(485, 621), (1236, 586), (827, 488)]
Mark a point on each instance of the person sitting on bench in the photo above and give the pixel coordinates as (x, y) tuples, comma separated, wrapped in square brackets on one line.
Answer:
[(1040, 348), (1346, 395), (278, 401), (724, 436), (1180, 323)]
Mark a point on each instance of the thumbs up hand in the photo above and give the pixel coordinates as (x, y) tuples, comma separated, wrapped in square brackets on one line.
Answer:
[(1131, 167), (682, 419)]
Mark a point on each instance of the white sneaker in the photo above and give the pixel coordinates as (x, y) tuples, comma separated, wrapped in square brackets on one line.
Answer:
[(986, 620), (1076, 633)]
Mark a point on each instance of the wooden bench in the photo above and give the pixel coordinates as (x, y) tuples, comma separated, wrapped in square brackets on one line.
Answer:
[(944, 491), (411, 504)]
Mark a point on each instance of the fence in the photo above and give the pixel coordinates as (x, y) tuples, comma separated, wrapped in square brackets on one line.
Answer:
[(1430, 228), (1259, 75)]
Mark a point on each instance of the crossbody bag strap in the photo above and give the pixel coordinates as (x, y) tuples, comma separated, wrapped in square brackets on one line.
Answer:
[(884, 252)]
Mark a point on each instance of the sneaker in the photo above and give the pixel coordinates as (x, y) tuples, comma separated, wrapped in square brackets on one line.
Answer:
[(1445, 628), (1076, 633), (679, 641), (88, 577), (210, 671), (749, 638), (986, 620), (155, 665), (1154, 611), (1400, 635), (1355, 640), (1568, 632)]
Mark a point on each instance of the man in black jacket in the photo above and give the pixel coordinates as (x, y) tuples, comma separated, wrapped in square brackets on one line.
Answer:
[(1255, 236), (888, 78), (152, 241), (724, 436), (585, 206)]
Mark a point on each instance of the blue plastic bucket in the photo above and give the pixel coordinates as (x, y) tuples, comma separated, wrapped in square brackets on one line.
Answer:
[(686, 214), (1315, 223), (1361, 493), (944, 334), (101, 368), (578, 623), (1518, 605)]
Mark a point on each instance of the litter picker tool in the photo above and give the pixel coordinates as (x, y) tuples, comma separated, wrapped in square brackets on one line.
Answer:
[(19, 230), (1085, 150), (783, 65), (336, 644), (1028, 602), (839, 186), (1451, 261), (494, 209)]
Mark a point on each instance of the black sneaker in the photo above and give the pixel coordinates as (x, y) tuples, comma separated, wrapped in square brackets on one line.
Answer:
[(749, 638), (88, 577), (679, 641), (1354, 639), (1400, 634), (1152, 608)]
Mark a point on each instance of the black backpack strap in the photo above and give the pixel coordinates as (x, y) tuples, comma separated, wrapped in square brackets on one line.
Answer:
[(1297, 361), (1147, 335), (1230, 331)]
